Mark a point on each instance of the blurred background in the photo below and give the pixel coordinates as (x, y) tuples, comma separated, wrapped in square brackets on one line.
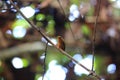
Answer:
[(22, 48)]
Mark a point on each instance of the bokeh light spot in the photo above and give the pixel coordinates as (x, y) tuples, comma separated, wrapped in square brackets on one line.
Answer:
[(28, 11), (19, 32), (17, 63), (111, 68)]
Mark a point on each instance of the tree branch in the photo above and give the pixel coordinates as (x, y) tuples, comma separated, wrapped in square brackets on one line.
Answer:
[(26, 47), (94, 34), (63, 52)]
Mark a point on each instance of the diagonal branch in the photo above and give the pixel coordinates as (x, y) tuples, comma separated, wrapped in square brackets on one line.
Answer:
[(63, 52)]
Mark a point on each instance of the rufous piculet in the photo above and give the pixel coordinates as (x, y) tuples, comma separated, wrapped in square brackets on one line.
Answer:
[(60, 43)]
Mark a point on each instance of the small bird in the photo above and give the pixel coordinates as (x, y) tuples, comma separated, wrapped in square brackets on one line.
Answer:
[(60, 43)]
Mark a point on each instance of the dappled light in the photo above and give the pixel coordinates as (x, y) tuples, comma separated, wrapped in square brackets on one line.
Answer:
[(59, 39), (86, 62)]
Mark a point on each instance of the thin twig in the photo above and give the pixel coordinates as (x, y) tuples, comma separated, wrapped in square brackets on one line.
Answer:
[(63, 52), (66, 18), (44, 65), (94, 34)]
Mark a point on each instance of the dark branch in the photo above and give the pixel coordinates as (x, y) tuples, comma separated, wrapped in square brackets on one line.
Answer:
[(94, 34), (45, 60)]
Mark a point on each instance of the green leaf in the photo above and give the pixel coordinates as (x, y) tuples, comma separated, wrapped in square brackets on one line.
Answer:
[(85, 30), (40, 17), (25, 62), (50, 27), (20, 22)]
